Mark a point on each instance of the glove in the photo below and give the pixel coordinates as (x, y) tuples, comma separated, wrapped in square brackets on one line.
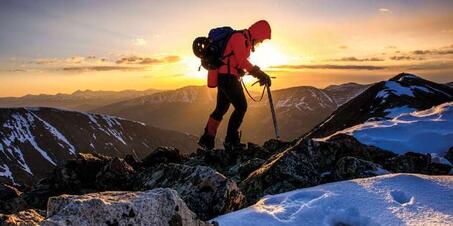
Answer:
[(263, 78)]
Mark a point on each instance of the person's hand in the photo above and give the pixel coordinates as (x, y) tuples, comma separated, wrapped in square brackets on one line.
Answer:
[(263, 78)]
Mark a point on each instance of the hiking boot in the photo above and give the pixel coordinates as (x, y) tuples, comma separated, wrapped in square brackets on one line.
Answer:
[(234, 146), (233, 141), (206, 142)]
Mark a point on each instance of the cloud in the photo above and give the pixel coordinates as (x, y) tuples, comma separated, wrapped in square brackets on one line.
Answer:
[(385, 10), (139, 42), (343, 47), (347, 59), (331, 66), (148, 60), (64, 61), (433, 52), (390, 47), (406, 58), (101, 68)]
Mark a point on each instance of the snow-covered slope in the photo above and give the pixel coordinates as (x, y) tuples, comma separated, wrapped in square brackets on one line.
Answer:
[(34, 140), (403, 93), (427, 131), (394, 199)]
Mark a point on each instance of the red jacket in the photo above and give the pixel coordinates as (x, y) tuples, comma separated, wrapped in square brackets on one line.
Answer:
[(240, 44)]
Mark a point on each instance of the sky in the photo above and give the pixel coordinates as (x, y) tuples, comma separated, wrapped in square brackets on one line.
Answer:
[(62, 46)]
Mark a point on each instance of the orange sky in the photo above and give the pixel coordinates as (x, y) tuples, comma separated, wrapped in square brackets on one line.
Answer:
[(62, 47)]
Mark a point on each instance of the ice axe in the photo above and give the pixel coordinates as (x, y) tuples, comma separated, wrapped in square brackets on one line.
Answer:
[(271, 104), (274, 117)]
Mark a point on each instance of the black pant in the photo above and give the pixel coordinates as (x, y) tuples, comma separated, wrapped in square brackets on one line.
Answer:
[(229, 91)]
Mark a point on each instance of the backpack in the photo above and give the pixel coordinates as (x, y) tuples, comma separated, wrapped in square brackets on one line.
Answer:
[(210, 49)]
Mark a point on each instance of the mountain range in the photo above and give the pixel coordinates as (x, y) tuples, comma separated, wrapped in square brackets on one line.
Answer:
[(187, 109), (34, 140), (80, 100)]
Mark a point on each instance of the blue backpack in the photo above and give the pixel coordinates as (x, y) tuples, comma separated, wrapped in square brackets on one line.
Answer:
[(211, 49)]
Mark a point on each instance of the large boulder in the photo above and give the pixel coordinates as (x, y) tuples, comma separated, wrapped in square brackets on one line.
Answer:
[(285, 171), (348, 168), (206, 192), (158, 207), (28, 217)]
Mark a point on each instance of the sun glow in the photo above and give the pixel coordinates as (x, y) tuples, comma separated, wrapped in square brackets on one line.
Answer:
[(267, 54)]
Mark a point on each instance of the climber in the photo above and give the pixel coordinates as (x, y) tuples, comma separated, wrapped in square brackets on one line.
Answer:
[(229, 88)]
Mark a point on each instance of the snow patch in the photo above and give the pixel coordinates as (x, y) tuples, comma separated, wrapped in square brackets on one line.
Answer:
[(396, 111), (21, 132), (57, 134), (393, 199), (6, 172), (409, 131)]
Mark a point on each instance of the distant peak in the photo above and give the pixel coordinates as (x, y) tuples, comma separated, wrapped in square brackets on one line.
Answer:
[(403, 76)]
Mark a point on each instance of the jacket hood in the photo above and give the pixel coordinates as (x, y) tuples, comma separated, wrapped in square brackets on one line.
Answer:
[(260, 30)]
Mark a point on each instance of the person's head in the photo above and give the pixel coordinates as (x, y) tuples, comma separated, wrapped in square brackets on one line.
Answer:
[(259, 32)]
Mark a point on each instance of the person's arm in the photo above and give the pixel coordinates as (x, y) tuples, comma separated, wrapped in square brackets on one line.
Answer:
[(240, 52)]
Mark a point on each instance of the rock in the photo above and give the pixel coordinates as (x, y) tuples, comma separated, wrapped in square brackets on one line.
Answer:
[(342, 145), (348, 168), (275, 146), (132, 161), (206, 192), (449, 155), (160, 206), (249, 166), (294, 168), (79, 174), (162, 155), (28, 217), (301, 164), (114, 175), (87, 173), (10, 200), (412, 162)]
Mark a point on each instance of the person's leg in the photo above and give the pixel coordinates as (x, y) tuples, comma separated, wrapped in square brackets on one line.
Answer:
[(239, 102), (222, 105)]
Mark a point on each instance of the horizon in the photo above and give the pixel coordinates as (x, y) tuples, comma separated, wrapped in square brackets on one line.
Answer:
[(162, 90), (60, 47)]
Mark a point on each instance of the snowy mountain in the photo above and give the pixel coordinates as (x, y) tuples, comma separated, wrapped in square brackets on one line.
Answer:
[(80, 100), (34, 140), (394, 199), (344, 92), (413, 131), (187, 109), (385, 100)]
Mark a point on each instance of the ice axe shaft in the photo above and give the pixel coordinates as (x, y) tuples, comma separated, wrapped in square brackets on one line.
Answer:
[(274, 118)]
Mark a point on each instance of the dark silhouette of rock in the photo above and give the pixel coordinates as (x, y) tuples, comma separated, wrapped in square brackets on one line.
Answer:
[(294, 168), (412, 162), (449, 155), (162, 155), (114, 175), (205, 191), (10, 201), (348, 168)]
